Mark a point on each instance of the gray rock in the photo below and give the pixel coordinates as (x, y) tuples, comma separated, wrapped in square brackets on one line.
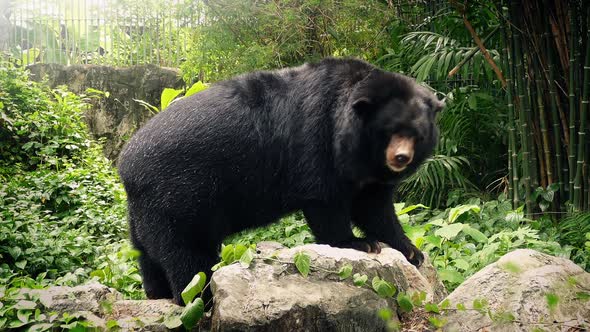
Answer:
[(272, 296), (100, 304), (519, 285), (114, 118)]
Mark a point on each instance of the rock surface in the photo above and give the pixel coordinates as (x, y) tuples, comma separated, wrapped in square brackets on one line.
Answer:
[(117, 116), (271, 295), (520, 285), (99, 304)]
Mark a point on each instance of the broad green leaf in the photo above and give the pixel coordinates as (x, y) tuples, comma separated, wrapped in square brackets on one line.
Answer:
[(21, 264), (239, 250), (227, 254), (345, 271), (432, 307), (437, 322), (475, 234), (218, 266), (247, 257), (302, 262), (25, 304), (23, 315), (382, 287), (385, 314), (411, 208), (404, 302), (449, 232), (451, 276), (168, 96), (172, 322), (194, 287), (461, 307), (359, 280), (197, 87), (456, 212), (444, 304), (434, 240), (462, 264), (192, 313)]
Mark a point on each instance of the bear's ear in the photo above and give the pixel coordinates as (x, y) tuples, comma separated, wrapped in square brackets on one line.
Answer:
[(362, 105), (438, 105)]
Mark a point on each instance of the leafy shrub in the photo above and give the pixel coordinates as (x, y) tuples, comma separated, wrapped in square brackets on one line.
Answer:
[(61, 205)]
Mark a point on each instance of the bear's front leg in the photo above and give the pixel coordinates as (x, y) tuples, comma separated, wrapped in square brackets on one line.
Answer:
[(330, 224), (372, 211)]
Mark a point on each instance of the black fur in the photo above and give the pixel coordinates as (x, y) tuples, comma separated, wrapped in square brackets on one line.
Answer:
[(249, 150)]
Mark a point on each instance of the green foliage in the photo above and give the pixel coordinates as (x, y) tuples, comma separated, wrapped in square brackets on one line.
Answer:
[(244, 34), (382, 287), (231, 253), (463, 239), (291, 231), (62, 211), (302, 262)]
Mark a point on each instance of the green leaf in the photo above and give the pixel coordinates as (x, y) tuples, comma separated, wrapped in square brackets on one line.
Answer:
[(583, 296), (197, 87), (432, 307), (359, 280), (480, 304), (21, 264), (112, 324), (451, 276), (302, 262), (382, 287), (437, 322), (445, 304), (192, 313), (168, 96), (227, 254), (411, 208), (434, 240), (475, 234), (345, 271), (461, 307), (247, 257), (552, 300), (239, 250), (194, 287), (404, 302), (172, 322), (23, 315), (449, 232), (458, 211), (385, 314)]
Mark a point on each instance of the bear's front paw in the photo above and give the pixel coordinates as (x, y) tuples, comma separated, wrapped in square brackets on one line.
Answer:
[(366, 245), (414, 255)]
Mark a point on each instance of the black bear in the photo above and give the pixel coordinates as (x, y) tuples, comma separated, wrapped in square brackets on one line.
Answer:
[(330, 138)]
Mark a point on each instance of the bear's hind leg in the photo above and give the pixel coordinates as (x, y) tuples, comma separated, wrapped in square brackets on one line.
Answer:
[(181, 265), (155, 283)]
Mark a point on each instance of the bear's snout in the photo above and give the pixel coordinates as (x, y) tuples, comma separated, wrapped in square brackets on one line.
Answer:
[(399, 153)]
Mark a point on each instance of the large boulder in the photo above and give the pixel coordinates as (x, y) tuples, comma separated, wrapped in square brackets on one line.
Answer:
[(271, 295), (523, 291), (116, 117), (100, 305)]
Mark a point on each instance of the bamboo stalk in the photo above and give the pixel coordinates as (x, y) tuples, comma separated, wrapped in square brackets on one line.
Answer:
[(516, 38), (578, 194), (512, 152), (572, 103), (553, 103), (544, 133)]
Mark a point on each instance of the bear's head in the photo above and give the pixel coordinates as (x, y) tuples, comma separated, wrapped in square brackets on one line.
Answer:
[(396, 120)]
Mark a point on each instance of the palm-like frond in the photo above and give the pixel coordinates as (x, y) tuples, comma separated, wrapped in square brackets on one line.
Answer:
[(434, 55), (437, 175)]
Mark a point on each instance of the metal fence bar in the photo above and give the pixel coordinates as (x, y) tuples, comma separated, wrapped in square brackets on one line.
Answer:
[(98, 31)]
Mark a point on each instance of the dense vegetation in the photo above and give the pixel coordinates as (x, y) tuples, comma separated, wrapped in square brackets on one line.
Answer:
[(510, 170)]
